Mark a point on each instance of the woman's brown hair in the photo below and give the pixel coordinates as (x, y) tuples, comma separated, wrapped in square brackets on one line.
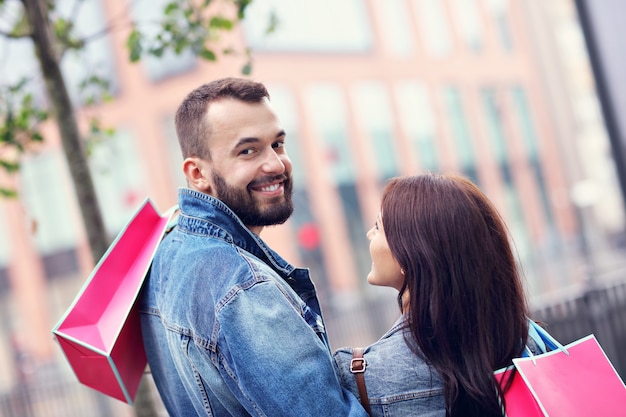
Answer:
[(467, 312)]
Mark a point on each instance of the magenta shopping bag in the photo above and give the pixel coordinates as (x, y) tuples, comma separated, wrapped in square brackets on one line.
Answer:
[(100, 333), (576, 380)]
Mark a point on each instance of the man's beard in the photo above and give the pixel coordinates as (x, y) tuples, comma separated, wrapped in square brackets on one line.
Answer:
[(246, 207)]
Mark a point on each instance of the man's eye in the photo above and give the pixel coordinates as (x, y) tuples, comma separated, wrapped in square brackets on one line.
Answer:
[(247, 152), (278, 145)]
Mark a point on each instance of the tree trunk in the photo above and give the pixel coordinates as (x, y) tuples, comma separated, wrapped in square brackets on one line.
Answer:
[(73, 146), (65, 116)]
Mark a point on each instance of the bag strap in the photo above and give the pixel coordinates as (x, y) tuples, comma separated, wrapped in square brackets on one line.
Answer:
[(358, 364), (541, 336)]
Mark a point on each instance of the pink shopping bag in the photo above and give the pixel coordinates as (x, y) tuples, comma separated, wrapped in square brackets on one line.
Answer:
[(576, 380), (100, 333), (519, 399)]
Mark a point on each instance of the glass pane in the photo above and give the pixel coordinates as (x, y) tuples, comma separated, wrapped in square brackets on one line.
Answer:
[(305, 226), (499, 13), (327, 111), (526, 125), (466, 15), (175, 155), (44, 182), (119, 186), (495, 128), (18, 61), (5, 248), (434, 26), (283, 102), (395, 26), (418, 121), (309, 25), (373, 110), (458, 126), (527, 130), (96, 58)]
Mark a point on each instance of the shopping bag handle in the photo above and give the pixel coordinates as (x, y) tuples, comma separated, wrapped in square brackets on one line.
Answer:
[(541, 336)]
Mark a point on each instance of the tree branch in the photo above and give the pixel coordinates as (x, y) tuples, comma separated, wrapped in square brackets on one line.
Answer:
[(112, 25), (11, 35)]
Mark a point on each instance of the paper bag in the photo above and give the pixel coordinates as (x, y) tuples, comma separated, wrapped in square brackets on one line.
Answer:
[(100, 333), (576, 380)]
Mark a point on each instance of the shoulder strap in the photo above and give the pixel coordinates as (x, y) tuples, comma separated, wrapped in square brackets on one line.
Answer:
[(357, 367)]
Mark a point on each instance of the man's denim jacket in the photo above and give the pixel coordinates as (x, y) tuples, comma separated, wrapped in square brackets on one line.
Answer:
[(232, 329)]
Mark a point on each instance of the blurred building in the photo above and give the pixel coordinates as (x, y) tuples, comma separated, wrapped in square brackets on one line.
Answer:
[(498, 90)]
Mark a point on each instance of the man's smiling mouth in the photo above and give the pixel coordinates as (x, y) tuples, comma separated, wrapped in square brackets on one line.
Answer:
[(272, 187)]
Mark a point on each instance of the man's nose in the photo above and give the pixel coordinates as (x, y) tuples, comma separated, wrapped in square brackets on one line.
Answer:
[(273, 163)]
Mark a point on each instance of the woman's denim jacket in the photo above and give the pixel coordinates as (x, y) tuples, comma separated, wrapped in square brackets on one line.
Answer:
[(398, 382), (232, 329)]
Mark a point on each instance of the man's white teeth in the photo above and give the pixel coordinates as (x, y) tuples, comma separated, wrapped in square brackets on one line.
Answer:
[(270, 188)]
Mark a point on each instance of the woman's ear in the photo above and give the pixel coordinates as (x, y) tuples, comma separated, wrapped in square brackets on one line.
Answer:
[(196, 170)]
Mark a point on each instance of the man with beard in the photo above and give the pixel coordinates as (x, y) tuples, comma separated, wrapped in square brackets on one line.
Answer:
[(230, 328)]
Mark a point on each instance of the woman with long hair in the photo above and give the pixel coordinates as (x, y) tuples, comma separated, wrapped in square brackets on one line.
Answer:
[(441, 243)]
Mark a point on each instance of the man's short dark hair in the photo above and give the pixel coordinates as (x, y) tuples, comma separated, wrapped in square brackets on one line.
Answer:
[(192, 126)]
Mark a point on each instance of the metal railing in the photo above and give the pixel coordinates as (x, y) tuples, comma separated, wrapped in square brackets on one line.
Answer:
[(598, 310)]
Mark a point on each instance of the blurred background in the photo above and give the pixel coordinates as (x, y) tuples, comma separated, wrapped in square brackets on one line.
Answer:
[(519, 95)]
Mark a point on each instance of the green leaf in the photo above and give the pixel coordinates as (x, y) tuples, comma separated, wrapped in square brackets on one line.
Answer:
[(219, 22), (208, 54), (170, 8), (8, 192), (9, 166), (247, 69), (241, 7), (134, 45)]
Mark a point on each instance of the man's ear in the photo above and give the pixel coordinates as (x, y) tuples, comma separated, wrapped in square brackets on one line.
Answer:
[(197, 171)]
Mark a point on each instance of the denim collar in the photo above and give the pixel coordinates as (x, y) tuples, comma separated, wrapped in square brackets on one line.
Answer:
[(203, 214)]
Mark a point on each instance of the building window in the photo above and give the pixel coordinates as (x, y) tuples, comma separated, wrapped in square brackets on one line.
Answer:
[(394, 22), (526, 125), (495, 127), (147, 14), (418, 122), (17, 56), (493, 112), (45, 190), (373, 110), (498, 10), (5, 252), (460, 131), (5, 285), (283, 102), (327, 110), (175, 155), (95, 59), (309, 26), (5, 241), (433, 23), (527, 131), (466, 16), (305, 226), (120, 186)]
